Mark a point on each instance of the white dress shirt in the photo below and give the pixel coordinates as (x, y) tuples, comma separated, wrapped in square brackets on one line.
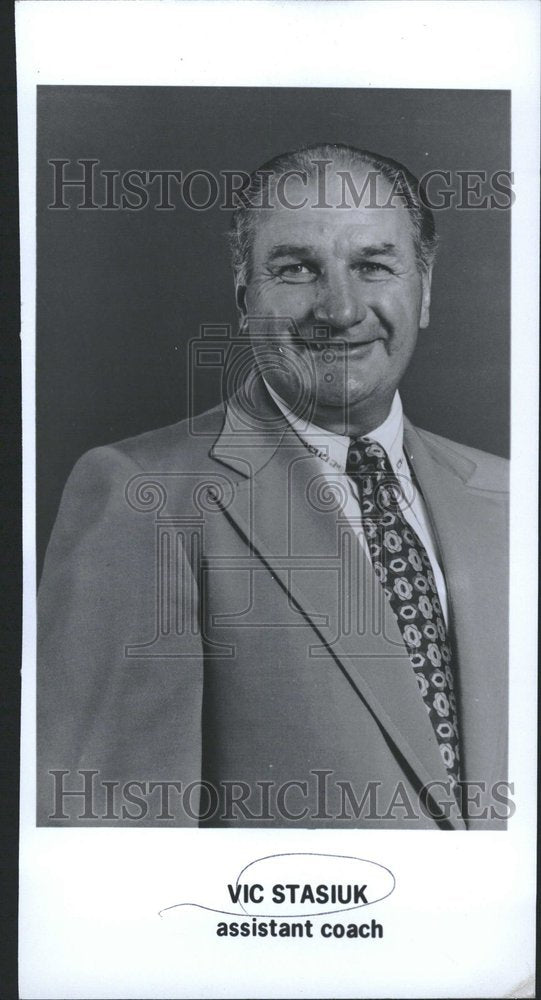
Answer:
[(331, 451)]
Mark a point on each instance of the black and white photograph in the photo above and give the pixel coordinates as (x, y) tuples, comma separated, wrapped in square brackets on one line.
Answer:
[(288, 605), (279, 397)]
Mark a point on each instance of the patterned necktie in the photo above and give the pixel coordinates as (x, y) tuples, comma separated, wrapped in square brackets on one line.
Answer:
[(402, 565)]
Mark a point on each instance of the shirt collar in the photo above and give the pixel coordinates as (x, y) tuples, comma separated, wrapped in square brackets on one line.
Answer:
[(389, 434)]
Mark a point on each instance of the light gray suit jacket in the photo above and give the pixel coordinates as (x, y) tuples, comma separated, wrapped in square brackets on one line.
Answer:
[(207, 617)]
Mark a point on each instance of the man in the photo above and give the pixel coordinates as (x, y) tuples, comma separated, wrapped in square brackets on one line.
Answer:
[(290, 610)]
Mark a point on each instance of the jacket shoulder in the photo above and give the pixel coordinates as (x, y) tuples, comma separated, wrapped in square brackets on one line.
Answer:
[(482, 469), (108, 482), (180, 445)]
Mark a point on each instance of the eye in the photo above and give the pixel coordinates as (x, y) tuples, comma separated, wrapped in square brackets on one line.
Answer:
[(374, 268), (296, 274)]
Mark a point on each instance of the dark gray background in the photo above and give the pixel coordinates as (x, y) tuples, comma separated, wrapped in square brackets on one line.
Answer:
[(120, 293)]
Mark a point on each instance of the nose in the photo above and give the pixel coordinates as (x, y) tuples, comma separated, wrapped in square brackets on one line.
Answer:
[(340, 300)]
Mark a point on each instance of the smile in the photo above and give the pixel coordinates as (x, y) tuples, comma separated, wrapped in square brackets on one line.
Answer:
[(338, 347)]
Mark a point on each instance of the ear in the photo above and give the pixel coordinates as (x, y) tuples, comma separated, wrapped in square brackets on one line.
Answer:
[(240, 298), (426, 285)]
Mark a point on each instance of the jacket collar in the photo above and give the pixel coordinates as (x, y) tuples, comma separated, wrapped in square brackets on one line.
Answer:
[(254, 427)]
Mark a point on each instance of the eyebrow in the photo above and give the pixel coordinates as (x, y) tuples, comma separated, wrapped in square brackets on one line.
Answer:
[(305, 250)]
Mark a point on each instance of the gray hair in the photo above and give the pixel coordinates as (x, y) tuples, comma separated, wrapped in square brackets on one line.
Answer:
[(305, 161)]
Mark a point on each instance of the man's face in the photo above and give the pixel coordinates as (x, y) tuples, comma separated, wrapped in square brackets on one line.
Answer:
[(350, 281)]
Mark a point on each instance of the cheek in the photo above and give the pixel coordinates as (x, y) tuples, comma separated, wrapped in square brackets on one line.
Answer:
[(278, 300), (401, 309)]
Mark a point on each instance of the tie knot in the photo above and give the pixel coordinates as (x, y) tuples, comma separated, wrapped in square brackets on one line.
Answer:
[(380, 490), (366, 456)]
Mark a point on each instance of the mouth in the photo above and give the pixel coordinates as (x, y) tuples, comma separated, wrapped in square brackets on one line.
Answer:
[(337, 347)]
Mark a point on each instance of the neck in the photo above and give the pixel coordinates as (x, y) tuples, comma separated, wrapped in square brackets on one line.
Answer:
[(353, 421)]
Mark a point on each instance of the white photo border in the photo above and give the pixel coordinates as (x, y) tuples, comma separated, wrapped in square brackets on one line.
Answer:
[(90, 898)]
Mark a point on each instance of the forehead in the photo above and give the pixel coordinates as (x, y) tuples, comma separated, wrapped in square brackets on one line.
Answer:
[(330, 220)]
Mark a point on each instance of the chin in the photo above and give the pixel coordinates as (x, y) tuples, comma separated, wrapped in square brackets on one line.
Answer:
[(340, 397)]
